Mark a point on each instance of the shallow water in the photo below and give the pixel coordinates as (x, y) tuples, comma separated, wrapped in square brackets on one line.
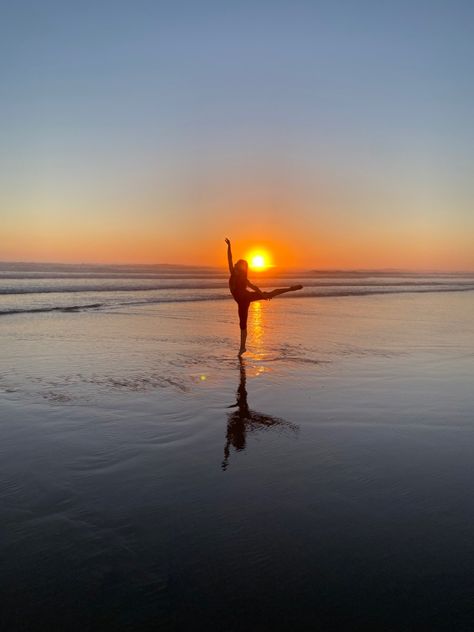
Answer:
[(151, 481)]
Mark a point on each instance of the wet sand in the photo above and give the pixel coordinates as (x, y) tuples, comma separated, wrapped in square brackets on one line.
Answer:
[(151, 481)]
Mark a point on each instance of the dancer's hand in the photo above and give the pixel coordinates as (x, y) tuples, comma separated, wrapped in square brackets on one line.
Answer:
[(227, 241)]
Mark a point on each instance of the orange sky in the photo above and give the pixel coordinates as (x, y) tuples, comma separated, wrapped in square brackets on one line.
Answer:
[(300, 224), (295, 245)]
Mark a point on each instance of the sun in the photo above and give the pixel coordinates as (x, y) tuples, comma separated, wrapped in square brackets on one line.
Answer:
[(259, 259), (258, 262)]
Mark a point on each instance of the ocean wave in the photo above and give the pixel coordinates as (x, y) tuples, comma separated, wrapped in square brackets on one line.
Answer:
[(156, 300), (369, 285), (56, 308)]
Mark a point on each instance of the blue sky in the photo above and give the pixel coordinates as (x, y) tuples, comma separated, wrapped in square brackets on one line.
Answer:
[(357, 114)]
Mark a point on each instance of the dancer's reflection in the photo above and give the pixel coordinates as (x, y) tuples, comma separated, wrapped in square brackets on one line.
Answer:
[(245, 420)]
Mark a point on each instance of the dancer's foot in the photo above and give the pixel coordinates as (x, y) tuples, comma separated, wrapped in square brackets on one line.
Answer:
[(241, 351), (293, 288)]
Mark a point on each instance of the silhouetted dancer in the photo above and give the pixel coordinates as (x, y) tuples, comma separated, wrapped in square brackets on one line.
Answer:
[(245, 420), (238, 284)]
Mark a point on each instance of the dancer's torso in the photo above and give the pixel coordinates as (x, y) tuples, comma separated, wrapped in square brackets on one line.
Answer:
[(237, 286)]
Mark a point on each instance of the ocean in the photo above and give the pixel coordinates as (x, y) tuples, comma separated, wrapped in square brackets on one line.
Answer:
[(48, 287)]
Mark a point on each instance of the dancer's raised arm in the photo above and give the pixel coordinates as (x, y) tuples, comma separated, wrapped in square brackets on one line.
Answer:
[(229, 255)]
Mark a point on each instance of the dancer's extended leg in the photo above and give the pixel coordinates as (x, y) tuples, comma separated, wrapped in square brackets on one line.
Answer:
[(282, 290)]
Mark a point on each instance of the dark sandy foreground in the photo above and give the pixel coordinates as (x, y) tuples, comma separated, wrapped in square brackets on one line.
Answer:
[(150, 481)]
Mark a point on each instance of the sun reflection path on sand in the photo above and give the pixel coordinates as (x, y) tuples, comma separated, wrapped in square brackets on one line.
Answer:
[(257, 337)]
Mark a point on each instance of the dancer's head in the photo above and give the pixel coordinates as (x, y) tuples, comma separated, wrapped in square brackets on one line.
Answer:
[(241, 267)]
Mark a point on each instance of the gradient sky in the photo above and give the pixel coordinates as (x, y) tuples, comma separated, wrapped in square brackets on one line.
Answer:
[(334, 134)]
